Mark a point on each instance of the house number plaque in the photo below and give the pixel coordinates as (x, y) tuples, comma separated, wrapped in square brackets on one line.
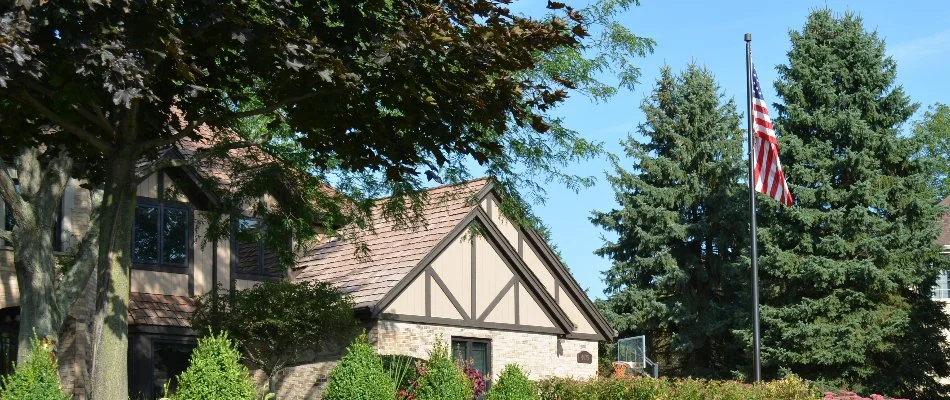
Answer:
[(584, 358)]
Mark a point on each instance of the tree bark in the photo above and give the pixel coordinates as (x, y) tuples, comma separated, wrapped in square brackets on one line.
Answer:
[(34, 266), (110, 351)]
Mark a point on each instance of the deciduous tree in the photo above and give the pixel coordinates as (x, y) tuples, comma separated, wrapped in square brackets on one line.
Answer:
[(377, 96)]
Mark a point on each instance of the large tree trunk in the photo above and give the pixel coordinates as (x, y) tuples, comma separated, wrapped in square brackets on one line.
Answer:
[(38, 309), (110, 352)]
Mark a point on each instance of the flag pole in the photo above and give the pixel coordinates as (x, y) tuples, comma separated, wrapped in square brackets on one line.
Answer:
[(755, 263)]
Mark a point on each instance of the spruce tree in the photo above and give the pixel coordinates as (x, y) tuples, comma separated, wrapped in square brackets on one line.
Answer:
[(849, 269), (678, 273)]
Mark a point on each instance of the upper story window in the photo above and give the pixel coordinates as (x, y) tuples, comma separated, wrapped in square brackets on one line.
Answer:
[(942, 290), (161, 232), (252, 256)]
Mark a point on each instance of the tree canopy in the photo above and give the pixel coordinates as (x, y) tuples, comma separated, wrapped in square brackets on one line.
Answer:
[(848, 271), (933, 130), (378, 94), (678, 272)]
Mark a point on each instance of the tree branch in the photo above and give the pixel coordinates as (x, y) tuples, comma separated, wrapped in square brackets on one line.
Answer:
[(7, 237), (8, 191), (197, 157), (79, 132), (190, 128), (74, 280)]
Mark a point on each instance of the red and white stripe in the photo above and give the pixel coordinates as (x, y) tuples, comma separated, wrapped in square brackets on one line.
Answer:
[(768, 175)]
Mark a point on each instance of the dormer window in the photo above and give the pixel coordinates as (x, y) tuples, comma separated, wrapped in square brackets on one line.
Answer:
[(253, 259), (161, 233)]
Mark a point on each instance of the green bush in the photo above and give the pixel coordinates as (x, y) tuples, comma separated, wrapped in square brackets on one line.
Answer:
[(442, 378), (215, 372), (513, 385), (639, 388), (36, 378), (401, 369), (360, 375)]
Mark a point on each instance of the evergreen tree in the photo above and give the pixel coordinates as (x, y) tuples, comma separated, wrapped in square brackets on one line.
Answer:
[(848, 271), (678, 273)]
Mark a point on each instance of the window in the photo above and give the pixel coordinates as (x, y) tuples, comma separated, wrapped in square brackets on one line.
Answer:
[(942, 290), (476, 351), (160, 234), (168, 361), (253, 257), (9, 329), (156, 360)]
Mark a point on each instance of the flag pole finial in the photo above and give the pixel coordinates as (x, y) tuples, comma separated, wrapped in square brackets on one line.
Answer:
[(748, 37)]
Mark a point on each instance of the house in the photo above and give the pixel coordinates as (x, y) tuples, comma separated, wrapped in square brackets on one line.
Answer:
[(494, 291)]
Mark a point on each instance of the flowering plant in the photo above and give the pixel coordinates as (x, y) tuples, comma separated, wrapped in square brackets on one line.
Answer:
[(476, 378)]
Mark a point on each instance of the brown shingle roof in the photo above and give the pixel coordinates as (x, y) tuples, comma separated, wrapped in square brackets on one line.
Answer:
[(944, 237), (393, 252), (159, 309)]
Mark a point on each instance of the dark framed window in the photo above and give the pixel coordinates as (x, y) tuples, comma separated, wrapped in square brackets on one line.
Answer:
[(169, 360), (156, 360), (162, 232), (252, 256), (9, 329), (476, 351)]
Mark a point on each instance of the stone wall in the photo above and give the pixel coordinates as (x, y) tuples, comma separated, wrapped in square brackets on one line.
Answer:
[(541, 355)]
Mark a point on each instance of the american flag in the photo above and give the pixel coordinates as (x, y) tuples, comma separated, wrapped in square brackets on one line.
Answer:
[(769, 178)]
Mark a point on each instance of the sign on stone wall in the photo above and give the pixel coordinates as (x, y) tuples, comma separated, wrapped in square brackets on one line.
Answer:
[(584, 358)]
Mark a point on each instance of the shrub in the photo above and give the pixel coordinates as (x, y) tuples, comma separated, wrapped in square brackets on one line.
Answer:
[(35, 378), (640, 388), (360, 375), (402, 370), (513, 385), (215, 372), (442, 379)]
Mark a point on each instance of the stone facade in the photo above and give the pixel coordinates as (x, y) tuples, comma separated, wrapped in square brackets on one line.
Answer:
[(541, 355)]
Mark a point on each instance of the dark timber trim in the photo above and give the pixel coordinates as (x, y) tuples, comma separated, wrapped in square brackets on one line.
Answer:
[(445, 289), (469, 324), (501, 295), (435, 252), (569, 285), (162, 330), (518, 266), (584, 336)]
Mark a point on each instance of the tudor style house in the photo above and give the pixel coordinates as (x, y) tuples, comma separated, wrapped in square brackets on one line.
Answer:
[(494, 291)]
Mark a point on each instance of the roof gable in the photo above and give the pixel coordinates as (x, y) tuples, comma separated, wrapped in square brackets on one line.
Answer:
[(399, 257), (522, 280), (393, 251)]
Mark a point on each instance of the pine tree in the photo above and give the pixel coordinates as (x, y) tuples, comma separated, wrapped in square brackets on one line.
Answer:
[(847, 272), (678, 273)]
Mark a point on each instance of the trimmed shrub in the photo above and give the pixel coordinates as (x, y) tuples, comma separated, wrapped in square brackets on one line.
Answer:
[(442, 378), (36, 378), (513, 385), (215, 372), (360, 375), (640, 388)]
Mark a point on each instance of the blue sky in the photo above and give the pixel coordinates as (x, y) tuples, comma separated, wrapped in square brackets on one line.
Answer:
[(711, 33)]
